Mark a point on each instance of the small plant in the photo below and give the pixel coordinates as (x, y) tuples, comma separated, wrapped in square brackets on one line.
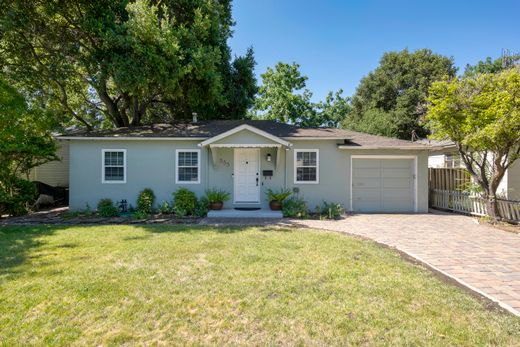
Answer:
[(276, 198), (331, 210), (216, 198), (165, 208), (145, 201), (140, 215), (180, 212), (202, 207), (106, 208), (295, 207), (184, 200)]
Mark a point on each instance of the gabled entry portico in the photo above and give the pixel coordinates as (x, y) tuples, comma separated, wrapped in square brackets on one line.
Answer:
[(246, 162)]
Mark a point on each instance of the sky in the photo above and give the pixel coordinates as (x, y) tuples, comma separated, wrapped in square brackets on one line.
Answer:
[(338, 42)]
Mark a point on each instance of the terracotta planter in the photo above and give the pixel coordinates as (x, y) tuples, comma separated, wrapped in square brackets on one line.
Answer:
[(216, 205), (275, 205)]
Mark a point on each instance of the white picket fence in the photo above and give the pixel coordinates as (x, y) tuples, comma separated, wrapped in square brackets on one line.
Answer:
[(463, 202)]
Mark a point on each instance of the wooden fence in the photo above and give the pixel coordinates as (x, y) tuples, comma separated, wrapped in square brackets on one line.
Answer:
[(448, 178), (463, 202)]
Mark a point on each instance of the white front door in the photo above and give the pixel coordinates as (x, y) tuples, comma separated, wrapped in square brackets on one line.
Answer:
[(247, 175)]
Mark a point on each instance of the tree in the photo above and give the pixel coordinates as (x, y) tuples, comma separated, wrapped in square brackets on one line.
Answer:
[(391, 100), (481, 115), (25, 142), (284, 98), (126, 62), (490, 66)]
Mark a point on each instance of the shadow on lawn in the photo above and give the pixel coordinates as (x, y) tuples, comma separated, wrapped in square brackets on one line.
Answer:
[(17, 242)]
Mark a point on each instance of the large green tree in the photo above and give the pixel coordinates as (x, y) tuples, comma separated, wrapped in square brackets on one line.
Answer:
[(283, 97), (125, 62), (25, 142), (481, 114), (490, 65), (391, 100)]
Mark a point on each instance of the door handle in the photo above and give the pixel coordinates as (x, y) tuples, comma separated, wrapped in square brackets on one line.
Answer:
[(257, 181)]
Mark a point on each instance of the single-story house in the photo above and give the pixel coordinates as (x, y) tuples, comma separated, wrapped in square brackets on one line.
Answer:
[(364, 173), (444, 154)]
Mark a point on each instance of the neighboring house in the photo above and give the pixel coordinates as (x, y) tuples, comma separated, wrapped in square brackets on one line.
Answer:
[(363, 172), (54, 173), (443, 154)]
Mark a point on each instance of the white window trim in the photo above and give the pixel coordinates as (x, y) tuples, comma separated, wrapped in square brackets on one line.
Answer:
[(199, 162), (317, 151), (103, 151)]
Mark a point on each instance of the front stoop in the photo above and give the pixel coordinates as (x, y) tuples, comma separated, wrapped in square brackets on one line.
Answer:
[(230, 213)]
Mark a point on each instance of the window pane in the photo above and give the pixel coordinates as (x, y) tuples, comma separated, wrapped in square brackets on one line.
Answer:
[(188, 159), (114, 173), (114, 158), (306, 174), (306, 158), (188, 174)]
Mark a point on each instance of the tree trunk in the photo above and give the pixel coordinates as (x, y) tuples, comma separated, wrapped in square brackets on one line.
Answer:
[(492, 207)]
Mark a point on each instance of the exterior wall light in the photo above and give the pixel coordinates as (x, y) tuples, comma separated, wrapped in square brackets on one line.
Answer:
[(268, 158)]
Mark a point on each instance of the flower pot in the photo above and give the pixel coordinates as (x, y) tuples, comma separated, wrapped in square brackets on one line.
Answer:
[(275, 205), (216, 205)]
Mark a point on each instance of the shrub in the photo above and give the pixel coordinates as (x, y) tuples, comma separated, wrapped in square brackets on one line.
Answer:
[(145, 201), (295, 207), (17, 196), (165, 208), (184, 200), (106, 208), (278, 195), (215, 195), (140, 215), (331, 210), (202, 207), (180, 212)]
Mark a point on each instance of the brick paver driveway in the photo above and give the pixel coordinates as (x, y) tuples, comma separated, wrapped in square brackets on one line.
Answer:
[(483, 258)]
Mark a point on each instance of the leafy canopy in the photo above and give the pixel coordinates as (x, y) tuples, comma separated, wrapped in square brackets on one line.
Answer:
[(25, 142), (391, 100), (283, 97), (121, 63), (481, 114)]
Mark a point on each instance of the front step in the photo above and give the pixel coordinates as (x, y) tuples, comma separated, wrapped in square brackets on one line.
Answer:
[(229, 213)]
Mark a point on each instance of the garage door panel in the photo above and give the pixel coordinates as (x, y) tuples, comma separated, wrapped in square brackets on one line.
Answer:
[(367, 183), (382, 185), (400, 183), (397, 172), (366, 173)]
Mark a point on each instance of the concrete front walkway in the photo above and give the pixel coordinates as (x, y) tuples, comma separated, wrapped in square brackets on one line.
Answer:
[(485, 259)]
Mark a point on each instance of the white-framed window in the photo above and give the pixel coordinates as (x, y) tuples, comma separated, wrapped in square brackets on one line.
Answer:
[(187, 163), (113, 166), (306, 166), (452, 161)]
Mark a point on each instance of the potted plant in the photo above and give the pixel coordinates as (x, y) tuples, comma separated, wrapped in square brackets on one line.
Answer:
[(216, 198), (276, 198)]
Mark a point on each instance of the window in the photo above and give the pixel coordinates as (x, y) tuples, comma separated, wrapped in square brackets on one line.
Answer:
[(452, 161), (188, 166), (114, 166), (306, 166)]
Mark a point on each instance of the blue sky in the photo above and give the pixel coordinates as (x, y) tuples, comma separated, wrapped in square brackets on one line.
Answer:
[(338, 42)]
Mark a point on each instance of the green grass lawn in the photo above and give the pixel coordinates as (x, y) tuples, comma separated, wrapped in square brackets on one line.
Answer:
[(171, 285)]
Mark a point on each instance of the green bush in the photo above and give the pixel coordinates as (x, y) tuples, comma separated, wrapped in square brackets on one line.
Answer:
[(215, 195), (17, 196), (140, 215), (331, 210), (165, 208), (202, 207), (184, 200), (106, 208), (145, 201), (278, 195), (295, 207), (180, 212)]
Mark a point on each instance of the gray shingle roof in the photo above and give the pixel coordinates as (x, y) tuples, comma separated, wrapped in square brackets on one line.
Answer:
[(208, 129)]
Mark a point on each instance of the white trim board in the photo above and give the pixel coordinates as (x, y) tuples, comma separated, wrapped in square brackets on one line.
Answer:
[(245, 127), (415, 178), (317, 151), (128, 138), (103, 151), (199, 164)]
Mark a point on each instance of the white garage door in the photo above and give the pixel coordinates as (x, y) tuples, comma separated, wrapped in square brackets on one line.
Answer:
[(383, 185)]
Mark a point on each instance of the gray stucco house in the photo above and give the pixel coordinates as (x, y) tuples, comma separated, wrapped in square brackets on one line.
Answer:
[(364, 173)]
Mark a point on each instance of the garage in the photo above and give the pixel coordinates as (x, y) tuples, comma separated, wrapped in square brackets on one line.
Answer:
[(383, 184)]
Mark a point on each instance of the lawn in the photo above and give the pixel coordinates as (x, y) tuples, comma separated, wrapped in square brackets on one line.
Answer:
[(174, 285)]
